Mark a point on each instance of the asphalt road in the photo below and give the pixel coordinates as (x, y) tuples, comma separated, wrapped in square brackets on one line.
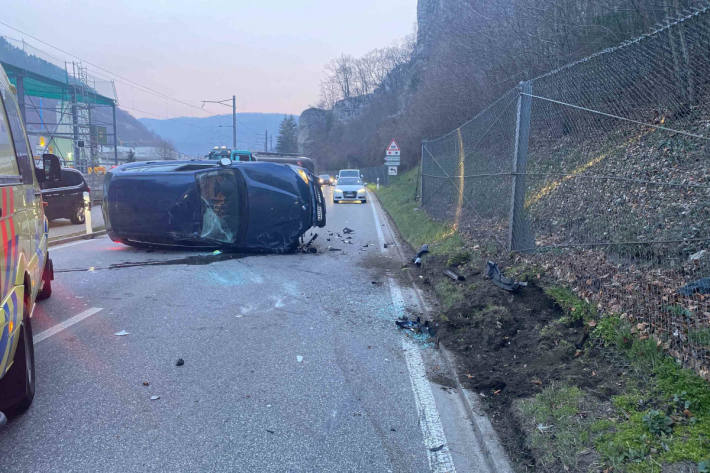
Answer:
[(292, 363)]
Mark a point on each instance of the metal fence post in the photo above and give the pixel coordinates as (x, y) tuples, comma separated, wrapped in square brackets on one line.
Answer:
[(519, 234)]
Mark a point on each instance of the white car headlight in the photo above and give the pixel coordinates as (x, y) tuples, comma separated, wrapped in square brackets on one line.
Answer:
[(361, 191)]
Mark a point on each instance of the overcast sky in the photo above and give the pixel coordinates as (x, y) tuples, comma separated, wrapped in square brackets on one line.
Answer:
[(270, 53)]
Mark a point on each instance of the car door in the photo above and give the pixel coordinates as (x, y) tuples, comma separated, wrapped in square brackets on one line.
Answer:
[(10, 193)]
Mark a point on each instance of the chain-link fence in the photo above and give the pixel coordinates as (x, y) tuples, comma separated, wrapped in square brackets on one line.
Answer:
[(599, 171)]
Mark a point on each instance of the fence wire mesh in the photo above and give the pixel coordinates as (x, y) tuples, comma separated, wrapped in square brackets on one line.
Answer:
[(598, 171)]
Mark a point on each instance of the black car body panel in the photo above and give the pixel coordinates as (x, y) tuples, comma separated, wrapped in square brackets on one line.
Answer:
[(65, 196), (247, 206)]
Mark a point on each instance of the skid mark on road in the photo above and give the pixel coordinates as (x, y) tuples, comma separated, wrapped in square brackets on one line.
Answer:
[(66, 324)]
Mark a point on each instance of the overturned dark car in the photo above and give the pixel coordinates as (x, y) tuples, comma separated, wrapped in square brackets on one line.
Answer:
[(245, 206)]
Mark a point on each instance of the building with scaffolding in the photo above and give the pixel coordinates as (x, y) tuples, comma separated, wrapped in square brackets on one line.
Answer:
[(66, 111)]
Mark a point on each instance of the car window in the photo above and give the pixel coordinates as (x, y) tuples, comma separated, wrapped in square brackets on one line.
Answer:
[(219, 193), (8, 164), (19, 138), (349, 181)]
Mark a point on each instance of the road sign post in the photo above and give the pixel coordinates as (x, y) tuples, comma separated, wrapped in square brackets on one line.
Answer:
[(392, 159)]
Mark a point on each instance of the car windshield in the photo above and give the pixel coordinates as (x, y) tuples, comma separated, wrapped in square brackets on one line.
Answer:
[(324, 177), (349, 181), (349, 173)]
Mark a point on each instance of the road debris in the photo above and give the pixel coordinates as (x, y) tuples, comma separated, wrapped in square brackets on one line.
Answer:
[(416, 326), (701, 286), (122, 333), (271, 431), (347, 230), (453, 275), (217, 252), (330, 248), (494, 274), (436, 449), (307, 247), (154, 398), (146, 383), (3, 419), (418, 262), (299, 358), (179, 362)]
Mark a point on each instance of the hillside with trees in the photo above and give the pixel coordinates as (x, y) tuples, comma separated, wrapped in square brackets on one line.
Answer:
[(466, 54)]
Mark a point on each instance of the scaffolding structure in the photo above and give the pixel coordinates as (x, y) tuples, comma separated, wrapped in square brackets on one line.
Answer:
[(66, 111)]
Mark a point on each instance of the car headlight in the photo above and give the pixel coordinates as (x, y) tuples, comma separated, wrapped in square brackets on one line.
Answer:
[(338, 191), (361, 191)]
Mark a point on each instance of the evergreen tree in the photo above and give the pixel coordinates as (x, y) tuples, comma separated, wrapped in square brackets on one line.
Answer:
[(288, 136)]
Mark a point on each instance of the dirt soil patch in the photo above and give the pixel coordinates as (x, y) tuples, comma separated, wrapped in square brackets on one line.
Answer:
[(511, 346)]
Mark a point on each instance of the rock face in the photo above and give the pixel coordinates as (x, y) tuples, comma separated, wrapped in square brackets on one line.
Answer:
[(312, 126), (322, 131)]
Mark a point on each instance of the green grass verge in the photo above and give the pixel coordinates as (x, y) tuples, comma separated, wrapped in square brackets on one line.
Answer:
[(413, 223), (663, 418)]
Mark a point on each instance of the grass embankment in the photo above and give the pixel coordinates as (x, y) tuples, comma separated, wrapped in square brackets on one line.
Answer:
[(649, 415), (414, 224)]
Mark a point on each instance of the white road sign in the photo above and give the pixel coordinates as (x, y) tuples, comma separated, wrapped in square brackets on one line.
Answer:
[(392, 170)]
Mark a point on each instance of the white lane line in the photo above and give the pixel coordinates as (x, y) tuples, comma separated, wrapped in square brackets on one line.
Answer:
[(378, 226), (438, 454), (66, 324), (67, 245)]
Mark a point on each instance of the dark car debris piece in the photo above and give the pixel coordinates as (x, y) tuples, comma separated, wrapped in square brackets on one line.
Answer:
[(701, 286), (416, 326), (497, 278), (179, 362), (418, 257), (247, 206), (347, 230)]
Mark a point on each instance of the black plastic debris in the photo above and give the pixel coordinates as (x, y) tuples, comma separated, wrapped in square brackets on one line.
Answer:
[(416, 326), (418, 257), (508, 284), (3, 419), (271, 431), (179, 362), (334, 249), (347, 230), (385, 245), (453, 275), (436, 449), (701, 286)]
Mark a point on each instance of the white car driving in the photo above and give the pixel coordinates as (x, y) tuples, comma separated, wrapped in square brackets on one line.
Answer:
[(349, 189)]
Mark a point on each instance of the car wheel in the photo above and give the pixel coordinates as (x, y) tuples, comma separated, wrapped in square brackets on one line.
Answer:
[(363, 201), (79, 215), (336, 201), (18, 385), (46, 291)]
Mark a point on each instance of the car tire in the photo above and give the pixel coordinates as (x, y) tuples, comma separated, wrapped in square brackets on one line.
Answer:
[(18, 385), (363, 201), (46, 291), (79, 215), (336, 201)]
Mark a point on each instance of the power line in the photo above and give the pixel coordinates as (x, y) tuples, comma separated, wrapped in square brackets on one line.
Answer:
[(123, 79)]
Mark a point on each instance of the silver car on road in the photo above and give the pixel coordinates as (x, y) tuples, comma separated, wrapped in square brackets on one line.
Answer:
[(349, 189)]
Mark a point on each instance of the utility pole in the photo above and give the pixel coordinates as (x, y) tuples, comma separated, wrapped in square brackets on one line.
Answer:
[(234, 122), (266, 141), (225, 102), (272, 142)]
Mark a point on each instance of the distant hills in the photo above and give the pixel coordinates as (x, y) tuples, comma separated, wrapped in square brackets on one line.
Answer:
[(195, 136), (130, 131)]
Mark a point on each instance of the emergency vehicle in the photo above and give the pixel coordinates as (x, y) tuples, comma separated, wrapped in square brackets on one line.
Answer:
[(26, 271)]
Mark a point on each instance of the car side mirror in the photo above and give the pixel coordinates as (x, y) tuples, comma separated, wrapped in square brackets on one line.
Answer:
[(52, 168)]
